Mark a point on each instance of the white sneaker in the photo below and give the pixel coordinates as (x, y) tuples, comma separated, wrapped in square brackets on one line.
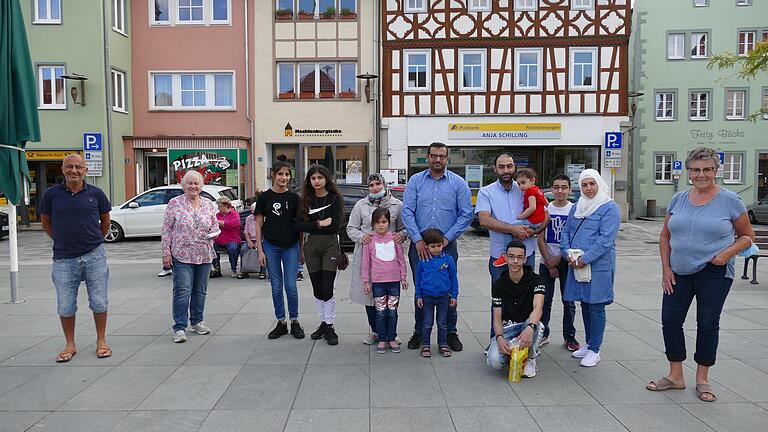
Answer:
[(180, 336), (200, 328), (581, 352), (591, 359), (530, 368), (165, 272), (371, 339), (544, 341)]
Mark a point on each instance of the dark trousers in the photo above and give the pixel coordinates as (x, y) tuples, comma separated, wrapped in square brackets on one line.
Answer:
[(710, 287), (386, 297), (233, 251), (370, 312), (569, 308), (442, 306), (413, 259)]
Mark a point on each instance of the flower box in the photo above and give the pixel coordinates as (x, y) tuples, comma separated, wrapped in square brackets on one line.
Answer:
[(287, 95), (347, 95), (303, 15), (327, 95), (306, 95)]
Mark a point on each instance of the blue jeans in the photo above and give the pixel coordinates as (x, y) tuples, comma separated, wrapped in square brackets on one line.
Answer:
[(710, 287), (413, 259), (386, 296), (497, 360), (442, 305), (233, 250), (67, 273), (497, 271), (593, 315), (282, 266), (190, 284), (569, 307)]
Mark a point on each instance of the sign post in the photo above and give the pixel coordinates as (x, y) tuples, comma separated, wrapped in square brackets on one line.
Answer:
[(93, 156), (677, 171)]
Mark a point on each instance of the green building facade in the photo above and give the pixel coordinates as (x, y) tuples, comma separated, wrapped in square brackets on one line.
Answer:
[(679, 104), (89, 38)]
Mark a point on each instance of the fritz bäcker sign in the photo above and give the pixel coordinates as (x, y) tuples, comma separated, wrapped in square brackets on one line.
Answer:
[(504, 131)]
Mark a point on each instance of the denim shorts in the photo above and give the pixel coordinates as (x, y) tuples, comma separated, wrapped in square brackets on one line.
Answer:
[(67, 273)]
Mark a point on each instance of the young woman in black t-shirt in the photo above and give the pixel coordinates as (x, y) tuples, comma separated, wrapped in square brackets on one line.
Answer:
[(278, 245), (321, 215)]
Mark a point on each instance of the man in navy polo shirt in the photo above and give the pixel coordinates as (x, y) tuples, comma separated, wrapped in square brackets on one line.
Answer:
[(75, 215)]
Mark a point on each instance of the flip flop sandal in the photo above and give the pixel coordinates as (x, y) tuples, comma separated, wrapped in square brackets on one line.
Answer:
[(65, 356), (663, 384), (103, 352), (426, 352), (394, 349), (702, 389), (381, 350), (445, 351)]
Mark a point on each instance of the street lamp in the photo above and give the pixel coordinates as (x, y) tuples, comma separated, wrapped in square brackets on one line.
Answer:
[(367, 77), (73, 91)]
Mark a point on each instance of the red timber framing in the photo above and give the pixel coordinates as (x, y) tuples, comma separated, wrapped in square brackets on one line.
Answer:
[(448, 27)]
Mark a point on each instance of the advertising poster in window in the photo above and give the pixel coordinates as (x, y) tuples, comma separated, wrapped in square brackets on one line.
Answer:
[(473, 174), (354, 172), (574, 171), (212, 165)]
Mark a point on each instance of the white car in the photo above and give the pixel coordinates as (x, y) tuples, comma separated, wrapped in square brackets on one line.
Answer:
[(142, 216)]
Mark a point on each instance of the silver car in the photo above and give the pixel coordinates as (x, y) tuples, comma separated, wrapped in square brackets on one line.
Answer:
[(758, 211)]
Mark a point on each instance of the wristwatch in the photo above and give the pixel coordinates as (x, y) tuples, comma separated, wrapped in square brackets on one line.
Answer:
[(532, 326)]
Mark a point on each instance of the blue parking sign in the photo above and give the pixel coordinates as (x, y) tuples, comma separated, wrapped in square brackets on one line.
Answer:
[(721, 155), (677, 165), (613, 140), (92, 141)]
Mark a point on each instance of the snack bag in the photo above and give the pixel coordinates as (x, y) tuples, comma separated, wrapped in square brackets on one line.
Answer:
[(517, 359)]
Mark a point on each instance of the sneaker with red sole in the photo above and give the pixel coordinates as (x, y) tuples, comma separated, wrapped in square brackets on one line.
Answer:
[(501, 261), (572, 345)]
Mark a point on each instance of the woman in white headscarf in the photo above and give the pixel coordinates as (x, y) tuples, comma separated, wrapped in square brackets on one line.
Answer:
[(590, 237)]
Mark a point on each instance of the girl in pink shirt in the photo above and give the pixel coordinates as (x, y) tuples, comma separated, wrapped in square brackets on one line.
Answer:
[(229, 223), (384, 273)]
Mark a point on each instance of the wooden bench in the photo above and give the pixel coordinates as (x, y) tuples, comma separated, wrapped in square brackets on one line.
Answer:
[(761, 240)]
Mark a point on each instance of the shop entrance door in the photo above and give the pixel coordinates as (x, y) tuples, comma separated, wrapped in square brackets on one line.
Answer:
[(287, 153), (42, 175), (762, 175), (347, 163), (155, 170)]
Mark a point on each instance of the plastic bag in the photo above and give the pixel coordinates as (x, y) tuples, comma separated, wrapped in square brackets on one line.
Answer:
[(517, 359), (249, 260), (583, 274), (751, 250)]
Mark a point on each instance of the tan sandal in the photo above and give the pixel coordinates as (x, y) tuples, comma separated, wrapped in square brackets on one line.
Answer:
[(663, 384), (65, 356), (426, 352), (703, 389), (103, 352)]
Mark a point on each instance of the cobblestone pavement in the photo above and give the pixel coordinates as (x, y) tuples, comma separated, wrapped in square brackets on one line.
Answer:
[(235, 379)]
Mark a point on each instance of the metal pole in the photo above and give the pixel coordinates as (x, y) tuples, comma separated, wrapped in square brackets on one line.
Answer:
[(108, 96), (613, 181), (14, 244)]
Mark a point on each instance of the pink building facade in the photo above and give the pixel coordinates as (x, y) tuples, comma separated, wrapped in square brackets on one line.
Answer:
[(192, 93)]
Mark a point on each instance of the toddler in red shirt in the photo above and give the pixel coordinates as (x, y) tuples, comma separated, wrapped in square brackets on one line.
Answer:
[(534, 203)]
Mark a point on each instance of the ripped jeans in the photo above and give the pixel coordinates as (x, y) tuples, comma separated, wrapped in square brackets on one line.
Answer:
[(386, 297)]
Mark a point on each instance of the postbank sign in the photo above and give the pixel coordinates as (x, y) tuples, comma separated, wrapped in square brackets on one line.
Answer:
[(504, 131)]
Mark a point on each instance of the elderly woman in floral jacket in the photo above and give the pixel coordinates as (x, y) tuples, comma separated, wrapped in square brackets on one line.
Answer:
[(360, 231)]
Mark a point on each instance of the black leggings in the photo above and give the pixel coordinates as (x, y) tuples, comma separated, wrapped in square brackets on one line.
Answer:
[(322, 284), (320, 252)]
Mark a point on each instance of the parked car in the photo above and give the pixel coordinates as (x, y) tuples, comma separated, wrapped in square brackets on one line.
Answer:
[(3, 224), (758, 211), (142, 216)]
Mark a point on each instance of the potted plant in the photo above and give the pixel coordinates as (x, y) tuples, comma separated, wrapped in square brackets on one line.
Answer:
[(283, 14), (327, 94), (306, 15), (329, 13), (287, 95), (346, 13)]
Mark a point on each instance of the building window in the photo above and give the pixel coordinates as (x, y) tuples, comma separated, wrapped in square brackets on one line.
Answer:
[(583, 67), (665, 106), (472, 66), (348, 80), (47, 11), (732, 168), (746, 42), (582, 4), (118, 16), (699, 109), (159, 12), (765, 103), (417, 67), (743, 2), (479, 5), (190, 11), (317, 80), (348, 8), (220, 11), (700, 3), (526, 5), (528, 69), (200, 12), (699, 45), (676, 46), (735, 103), (663, 168), (197, 91), (415, 5), (118, 91), (286, 86), (284, 9), (51, 87)]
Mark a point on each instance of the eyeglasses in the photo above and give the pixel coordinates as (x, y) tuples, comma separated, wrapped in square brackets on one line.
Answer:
[(437, 156), (70, 166), (560, 187), (706, 170), (511, 257)]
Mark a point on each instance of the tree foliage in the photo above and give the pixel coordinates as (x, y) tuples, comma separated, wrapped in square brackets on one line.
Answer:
[(746, 67)]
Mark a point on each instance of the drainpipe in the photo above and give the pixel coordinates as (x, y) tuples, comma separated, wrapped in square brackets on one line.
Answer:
[(108, 98), (248, 102), (377, 84)]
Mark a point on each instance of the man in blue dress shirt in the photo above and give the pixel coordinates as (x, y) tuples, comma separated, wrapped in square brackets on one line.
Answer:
[(436, 198)]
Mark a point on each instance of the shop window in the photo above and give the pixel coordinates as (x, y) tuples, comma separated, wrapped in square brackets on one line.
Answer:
[(348, 164), (47, 11), (676, 46), (528, 70), (663, 168), (735, 103), (583, 68), (51, 87)]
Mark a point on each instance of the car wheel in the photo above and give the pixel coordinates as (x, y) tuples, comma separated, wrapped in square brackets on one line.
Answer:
[(115, 233), (752, 217)]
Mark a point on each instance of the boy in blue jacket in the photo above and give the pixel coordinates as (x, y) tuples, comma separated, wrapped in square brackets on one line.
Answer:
[(436, 287)]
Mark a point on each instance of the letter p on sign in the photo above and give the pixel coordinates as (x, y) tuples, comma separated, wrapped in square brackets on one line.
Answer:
[(613, 140), (92, 142)]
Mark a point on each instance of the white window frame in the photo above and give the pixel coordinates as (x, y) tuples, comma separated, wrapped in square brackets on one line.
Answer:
[(482, 72), (407, 56), (706, 45), (526, 5), (118, 16), (177, 10), (582, 4), (694, 112), (732, 107), (671, 101), (415, 8), (224, 21), (210, 90), (660, 162), (152, 20), (173, 15), (572, 64), (479, 5), (743, 2), (46, 20), (673, 55), (764, 93), (118, 83), (700, 3), (748, 44), (539, 72), (733, 168), (52, 106)]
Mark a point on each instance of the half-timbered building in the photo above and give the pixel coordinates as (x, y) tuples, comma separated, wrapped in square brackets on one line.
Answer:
[(542, 79)]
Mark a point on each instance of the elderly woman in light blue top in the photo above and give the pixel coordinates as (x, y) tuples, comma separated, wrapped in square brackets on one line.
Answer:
[(705, 228), (592, 227)]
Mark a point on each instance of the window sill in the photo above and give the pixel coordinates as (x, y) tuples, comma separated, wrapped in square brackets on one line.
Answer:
[(120, 110), (52, 108), (415, 10), (196, 109), (471, 89), (675, 58), (701, 119), (731, 182), (664, 182), (120, 32), (46, 22), (417, 89), (527, 89), (735, 118), (582, 89), (664, 119)]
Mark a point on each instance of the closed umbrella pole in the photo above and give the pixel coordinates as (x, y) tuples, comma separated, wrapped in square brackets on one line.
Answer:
[(14, 244)]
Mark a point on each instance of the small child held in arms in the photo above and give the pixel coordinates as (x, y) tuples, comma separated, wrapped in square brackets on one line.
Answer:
[(384, 273), (534, 202), (437, 287)]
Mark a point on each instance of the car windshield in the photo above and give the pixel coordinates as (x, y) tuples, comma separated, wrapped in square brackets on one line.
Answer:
[(229, 193)]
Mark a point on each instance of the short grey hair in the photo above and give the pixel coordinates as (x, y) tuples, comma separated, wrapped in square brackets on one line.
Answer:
[(702, 154), (190, 174), (224, 200)]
